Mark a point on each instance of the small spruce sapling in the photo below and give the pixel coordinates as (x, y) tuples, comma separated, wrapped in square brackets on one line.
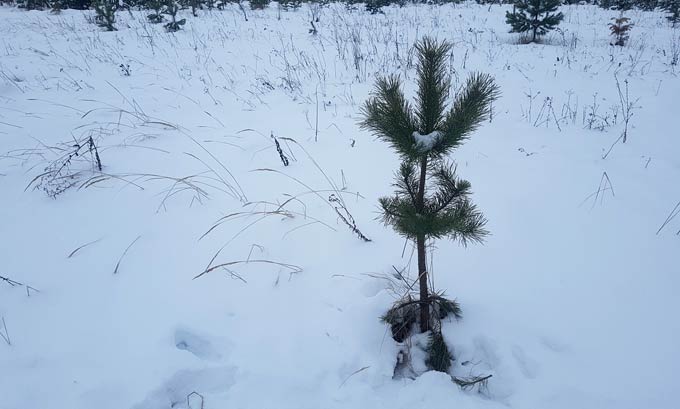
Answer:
[(535, 16), (431, 202), (106, 14), (620, 30)]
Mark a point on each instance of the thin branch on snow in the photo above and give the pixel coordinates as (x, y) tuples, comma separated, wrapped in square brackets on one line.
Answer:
[(5, 336), (14, 283)]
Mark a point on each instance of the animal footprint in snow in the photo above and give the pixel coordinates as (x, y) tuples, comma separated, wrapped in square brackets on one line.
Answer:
[(173, 393), (528, 366), (553, 344), (487, 350), (197, 345)]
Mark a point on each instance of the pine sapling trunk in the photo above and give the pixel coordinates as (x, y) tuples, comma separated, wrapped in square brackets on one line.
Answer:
[(422, 260)]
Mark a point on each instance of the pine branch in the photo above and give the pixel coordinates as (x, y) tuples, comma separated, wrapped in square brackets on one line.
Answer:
[(470, 108), (406, 181), (464, 223), (395, 210), (389, 116), (433, 83), (459, 220), (438, 355), (450, 188)]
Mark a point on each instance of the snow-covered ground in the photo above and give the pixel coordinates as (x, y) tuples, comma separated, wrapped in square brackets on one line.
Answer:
[(571, 303)]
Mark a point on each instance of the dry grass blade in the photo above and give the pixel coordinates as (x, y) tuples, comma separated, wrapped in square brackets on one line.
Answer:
[(352, 374), (82, 247), (5, 336), (671, 216), (289, 214), (238, 191), (316, 192), (101, 177), (293, 269), (115, 271)]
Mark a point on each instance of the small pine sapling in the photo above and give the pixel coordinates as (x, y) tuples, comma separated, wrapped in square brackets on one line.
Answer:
[(620, 30), (106, 14), (423, 137), (535, 16), (171, 9)]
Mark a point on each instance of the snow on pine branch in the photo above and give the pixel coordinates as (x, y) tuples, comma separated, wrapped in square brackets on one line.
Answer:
[(425, 143)]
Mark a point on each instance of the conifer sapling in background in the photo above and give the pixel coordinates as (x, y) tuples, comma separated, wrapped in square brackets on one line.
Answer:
[(619, 29), (133, 4), (171, 9), (431, 202), (195, 5), (156, 6), (106, 14), (534, 16)]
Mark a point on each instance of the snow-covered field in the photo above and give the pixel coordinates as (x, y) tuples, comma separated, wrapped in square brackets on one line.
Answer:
[(571, 303)]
